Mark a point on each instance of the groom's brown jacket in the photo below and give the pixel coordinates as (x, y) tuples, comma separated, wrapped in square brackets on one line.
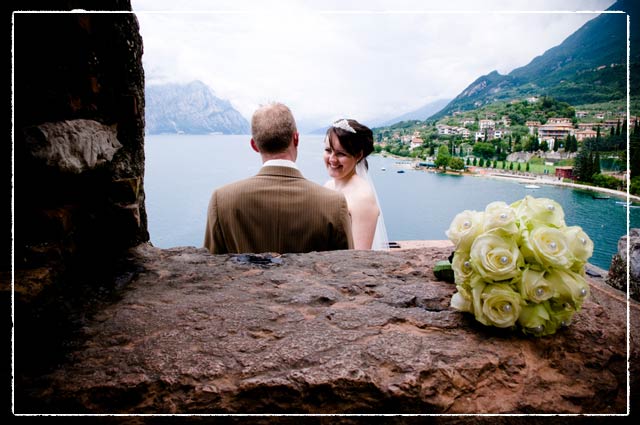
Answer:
[(277, 210)]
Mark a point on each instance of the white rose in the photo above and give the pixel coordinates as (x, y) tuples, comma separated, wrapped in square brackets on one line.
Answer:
[(531, 212), (501, 218), (580, 245), (464, 228), (546, 246), (495, 258)]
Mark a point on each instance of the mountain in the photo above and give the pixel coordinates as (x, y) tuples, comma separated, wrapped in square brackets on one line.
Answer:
[(421, 113), (589, 66), (191, 109)]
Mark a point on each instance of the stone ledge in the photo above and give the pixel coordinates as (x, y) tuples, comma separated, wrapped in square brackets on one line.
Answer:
[(330, 332)]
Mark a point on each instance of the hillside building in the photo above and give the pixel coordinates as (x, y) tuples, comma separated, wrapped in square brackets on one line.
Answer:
[(557, 128), (585, 134)]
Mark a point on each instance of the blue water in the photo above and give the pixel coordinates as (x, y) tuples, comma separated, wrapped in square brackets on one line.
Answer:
[(182, 171)]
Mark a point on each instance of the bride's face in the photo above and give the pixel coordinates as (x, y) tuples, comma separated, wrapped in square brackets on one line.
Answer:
[(339, 162)]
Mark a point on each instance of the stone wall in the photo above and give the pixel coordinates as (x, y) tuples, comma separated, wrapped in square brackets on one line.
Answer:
[(78, 142), (617, 275), (326, 333)]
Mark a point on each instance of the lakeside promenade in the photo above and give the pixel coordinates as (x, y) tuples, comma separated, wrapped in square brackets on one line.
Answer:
[(554, 181), (520, 178)]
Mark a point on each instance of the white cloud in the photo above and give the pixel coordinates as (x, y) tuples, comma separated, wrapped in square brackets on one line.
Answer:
[(366, 59)]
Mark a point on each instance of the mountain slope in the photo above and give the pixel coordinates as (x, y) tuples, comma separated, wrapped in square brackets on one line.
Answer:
[(589, 66), (421, 113), (191, 109)]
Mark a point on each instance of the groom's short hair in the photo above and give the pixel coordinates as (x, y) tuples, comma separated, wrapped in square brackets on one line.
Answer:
[(273, 127)]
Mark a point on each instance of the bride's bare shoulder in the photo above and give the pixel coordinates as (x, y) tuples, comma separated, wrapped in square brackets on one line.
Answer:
[(363, 196)]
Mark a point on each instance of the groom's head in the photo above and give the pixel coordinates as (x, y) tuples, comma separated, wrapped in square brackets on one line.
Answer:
[(273, 129)]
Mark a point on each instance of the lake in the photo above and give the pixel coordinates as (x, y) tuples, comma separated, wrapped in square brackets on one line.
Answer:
[(183, 170)]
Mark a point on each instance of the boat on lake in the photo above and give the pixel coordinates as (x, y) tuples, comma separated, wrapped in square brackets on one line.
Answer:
[(532, 186), (600, 196), (400, 171), (627, 204)]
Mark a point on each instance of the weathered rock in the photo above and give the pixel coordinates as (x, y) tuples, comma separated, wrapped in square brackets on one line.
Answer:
[(73, 146), (332, 332), (617, 275), (79, 143), (634, 252)]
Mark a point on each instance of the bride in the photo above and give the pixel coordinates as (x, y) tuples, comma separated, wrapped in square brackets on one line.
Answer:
[(347, 144)]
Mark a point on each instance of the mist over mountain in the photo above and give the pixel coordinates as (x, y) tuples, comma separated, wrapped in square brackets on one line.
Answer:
[(589, 66), (421, 113), (190, 108)]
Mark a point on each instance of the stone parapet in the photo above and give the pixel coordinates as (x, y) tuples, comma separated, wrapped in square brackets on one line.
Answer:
[(329, 332)]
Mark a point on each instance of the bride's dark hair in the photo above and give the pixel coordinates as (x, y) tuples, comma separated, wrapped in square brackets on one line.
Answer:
[(354, 137)]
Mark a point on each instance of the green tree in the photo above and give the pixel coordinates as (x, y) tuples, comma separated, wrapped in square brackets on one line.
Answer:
[(574, 144), (544, 146), (603, 180), (484, 150), (511, 166), (634, 187), (634, 150), (442, 160), (527, 167), (583, 163), (456, 163), (596, 163), (519, 168)]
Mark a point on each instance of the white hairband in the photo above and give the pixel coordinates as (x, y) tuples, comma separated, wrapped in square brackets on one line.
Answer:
[(344, 124)]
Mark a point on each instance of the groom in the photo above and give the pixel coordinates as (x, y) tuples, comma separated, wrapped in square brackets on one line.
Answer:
[(277, 210)]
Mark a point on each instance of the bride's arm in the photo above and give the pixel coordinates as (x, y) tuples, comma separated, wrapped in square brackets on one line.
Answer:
[(364, 214)]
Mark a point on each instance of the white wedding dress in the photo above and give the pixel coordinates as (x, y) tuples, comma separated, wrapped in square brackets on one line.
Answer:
[(380, 238)]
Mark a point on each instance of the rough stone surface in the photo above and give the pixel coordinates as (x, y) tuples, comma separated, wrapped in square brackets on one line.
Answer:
[(617, 275), (73, 146), (79, 143), (332, 332), (634, 252)]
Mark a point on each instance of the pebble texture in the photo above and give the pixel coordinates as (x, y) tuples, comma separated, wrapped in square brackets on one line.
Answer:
[(332, 332)]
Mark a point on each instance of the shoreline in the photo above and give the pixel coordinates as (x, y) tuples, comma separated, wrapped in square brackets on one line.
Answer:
[(549, 181), (538, 179)]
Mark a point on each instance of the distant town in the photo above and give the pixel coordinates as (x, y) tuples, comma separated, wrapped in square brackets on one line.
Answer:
[(528, 133)]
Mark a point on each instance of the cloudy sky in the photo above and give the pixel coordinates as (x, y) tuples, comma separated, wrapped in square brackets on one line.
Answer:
[(369, 60)]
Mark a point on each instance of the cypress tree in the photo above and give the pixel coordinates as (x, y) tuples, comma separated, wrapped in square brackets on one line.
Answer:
[(634, 150)]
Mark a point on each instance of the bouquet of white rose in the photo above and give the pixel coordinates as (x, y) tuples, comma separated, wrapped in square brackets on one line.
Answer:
[(519, 265)]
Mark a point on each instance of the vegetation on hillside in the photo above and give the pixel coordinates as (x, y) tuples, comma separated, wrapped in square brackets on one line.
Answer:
[(606, 151)]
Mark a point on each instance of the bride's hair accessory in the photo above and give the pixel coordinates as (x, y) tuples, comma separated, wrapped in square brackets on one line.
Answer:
[(344, 125)]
